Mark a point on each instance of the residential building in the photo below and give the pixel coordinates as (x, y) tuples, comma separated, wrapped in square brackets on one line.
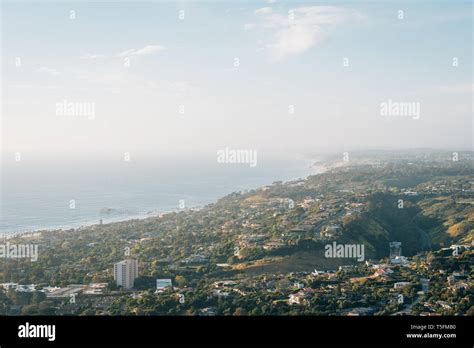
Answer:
[(125, 273)]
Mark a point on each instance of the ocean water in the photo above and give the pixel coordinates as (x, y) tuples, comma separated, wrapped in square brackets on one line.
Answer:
[(64, 193)]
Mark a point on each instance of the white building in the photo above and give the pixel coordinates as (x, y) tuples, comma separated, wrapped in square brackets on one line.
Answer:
[(400, 285), (395, 249), (26, 288), (410, 193), (125, 273), (399, 260), (162, 284), (425, 284), (8, 286), (298, 298)]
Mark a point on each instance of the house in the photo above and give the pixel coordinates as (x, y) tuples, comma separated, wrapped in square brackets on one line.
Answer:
[(410, 193), (220, 293), (273, 245), (95, 289), (198, 258), (8, 286), (346, 267), (454, 277), (19, 288), (227, 226), (298, 285), (400, 285), (444, 304), (382, 272), (224, 283), (428, 314), (399, 260), (333, 228), (26, 288), (459, 286), (208, 311), (223, 265), (299, 298), (306, 203), (50, 289), (68, 291)]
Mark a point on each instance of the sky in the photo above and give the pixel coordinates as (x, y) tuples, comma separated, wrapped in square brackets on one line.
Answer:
[(192, 77)]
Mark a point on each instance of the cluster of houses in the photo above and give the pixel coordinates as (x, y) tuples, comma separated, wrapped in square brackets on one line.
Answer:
[(198, 258), (59, 292), (18, 288)]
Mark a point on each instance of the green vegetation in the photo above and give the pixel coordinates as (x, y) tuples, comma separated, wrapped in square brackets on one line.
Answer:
[(269, 240)]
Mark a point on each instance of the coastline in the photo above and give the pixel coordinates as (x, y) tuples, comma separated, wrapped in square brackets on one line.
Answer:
[(318, 166), (91, 223)]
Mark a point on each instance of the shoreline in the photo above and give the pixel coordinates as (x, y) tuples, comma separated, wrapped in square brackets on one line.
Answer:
[(318, 166), (39, 231)]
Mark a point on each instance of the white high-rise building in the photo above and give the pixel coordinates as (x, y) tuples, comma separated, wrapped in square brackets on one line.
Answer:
[(125, 273), (395, 249)]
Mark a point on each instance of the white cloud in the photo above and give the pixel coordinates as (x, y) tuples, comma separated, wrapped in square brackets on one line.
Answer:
[(249, 26), (295, 32), (50, 71), (91, 56), (149, 49), (263, 10), (295, 39), (271, 1)]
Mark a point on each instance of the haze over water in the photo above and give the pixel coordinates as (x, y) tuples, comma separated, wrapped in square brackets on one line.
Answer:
[(37, 195)]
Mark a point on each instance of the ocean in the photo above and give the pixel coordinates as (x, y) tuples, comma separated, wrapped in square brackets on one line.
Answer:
[(64, 193)]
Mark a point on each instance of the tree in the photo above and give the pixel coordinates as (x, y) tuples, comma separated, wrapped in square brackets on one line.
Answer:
[(240, 311), (180, 281), (470, 311), (31, 309), (232, 260)]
